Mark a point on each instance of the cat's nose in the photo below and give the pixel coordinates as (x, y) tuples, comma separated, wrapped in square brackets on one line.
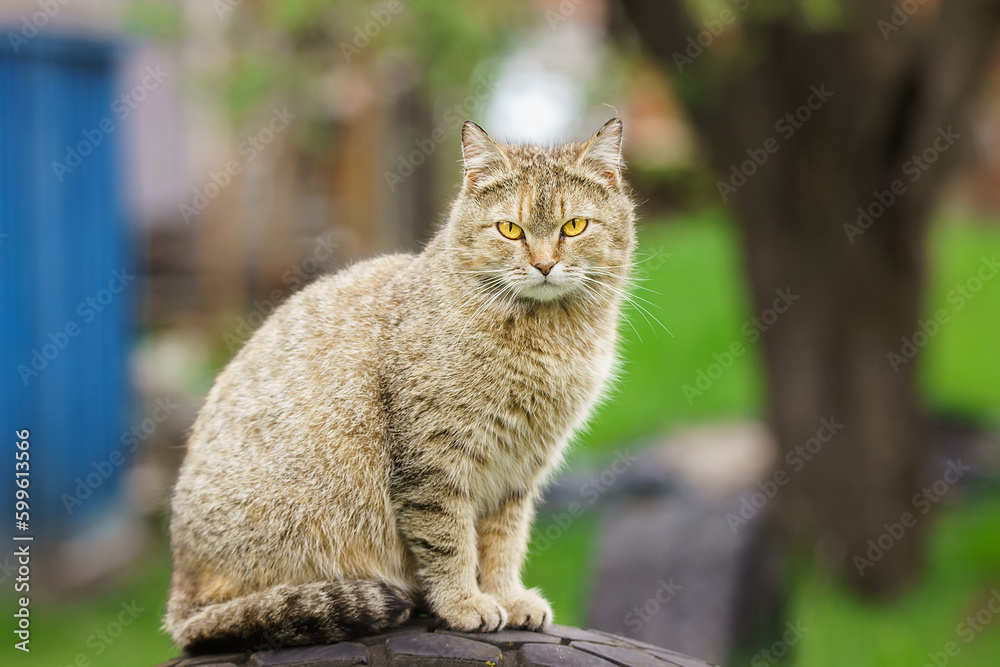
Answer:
[(544, 267)]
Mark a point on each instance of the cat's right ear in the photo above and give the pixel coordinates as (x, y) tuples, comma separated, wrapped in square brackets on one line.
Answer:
[(481, 154), (603, 153)]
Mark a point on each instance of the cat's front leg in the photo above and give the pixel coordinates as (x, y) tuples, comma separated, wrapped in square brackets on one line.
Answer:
[(503, 544), (436, 520)]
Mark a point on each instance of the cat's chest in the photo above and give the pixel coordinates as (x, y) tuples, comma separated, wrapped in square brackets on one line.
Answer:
[(540, 394), (538, 402)]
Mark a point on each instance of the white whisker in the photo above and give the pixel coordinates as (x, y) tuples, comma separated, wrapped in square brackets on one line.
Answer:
[(630, 299), (497, 271)]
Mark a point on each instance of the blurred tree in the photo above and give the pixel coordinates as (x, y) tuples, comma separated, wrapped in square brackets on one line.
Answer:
[(831, 126), (365, 81)]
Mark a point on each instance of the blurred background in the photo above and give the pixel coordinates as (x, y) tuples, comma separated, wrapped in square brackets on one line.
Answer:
[(804, 470)]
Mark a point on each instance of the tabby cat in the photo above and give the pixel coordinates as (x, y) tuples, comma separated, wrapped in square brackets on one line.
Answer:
[(379, 444)]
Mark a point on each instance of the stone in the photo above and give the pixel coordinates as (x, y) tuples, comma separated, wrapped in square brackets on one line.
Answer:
[(669, 572)]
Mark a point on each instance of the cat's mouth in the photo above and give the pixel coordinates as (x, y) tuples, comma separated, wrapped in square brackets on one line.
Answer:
[(545, 289)]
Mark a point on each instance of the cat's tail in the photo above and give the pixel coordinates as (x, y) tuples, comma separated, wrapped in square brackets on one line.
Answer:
[(287, 615)]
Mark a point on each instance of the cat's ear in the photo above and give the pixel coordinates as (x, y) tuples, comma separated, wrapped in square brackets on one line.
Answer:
[(482, 155), (603, 153)]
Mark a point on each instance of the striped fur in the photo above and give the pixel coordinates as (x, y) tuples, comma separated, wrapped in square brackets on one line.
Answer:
[(382, 439), (320, 612)]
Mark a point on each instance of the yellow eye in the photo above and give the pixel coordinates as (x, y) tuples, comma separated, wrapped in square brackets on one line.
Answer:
[(574, 227), (510, 230)]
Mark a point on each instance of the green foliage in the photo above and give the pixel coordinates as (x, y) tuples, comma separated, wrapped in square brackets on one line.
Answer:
[(287, 49), (818, 14), (154, 19), (253, 78), (449, 44), (297, 16), (823, 14)]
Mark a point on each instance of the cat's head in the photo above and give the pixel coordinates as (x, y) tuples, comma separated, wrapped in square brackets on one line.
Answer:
[(542, 224)]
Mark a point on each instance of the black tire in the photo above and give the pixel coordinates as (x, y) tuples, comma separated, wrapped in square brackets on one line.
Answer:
[(418, 644)]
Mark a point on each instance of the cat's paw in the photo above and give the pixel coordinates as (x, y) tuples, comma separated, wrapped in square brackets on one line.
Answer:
[(527, 610), (478, 613)]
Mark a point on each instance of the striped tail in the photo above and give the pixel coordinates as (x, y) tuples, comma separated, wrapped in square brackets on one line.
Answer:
[(287, 615)]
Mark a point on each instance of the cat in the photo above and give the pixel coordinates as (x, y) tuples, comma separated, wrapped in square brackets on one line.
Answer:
[(379, 444)]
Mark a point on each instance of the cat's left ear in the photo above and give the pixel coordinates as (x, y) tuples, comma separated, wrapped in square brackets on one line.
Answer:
[(482, 155), (603, 153)]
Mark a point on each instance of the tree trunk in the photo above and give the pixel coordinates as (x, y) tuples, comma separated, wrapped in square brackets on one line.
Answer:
[(868, 103)]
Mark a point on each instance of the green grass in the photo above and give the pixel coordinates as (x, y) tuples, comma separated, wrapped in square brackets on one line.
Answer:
[(962, 573), (694, 268), (90, 631), (562, 558), (961, 365), (691, 282)]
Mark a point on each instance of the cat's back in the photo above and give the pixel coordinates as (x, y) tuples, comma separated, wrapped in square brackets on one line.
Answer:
[(327, 314), (315, 353), (335, 304), (289, 433)]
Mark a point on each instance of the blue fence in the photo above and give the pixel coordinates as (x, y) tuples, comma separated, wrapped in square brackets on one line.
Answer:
[(67, 285)]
